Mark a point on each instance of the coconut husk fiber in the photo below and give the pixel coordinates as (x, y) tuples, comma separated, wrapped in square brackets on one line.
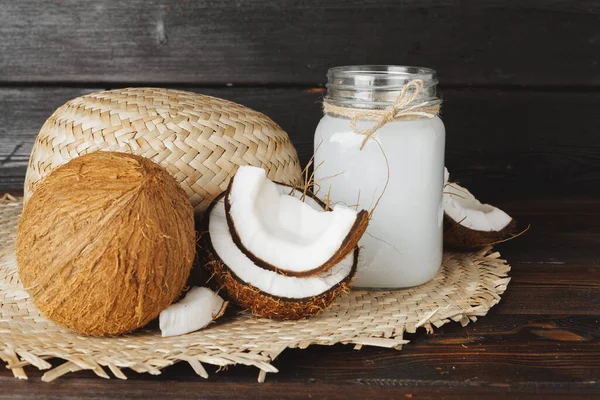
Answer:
[(106, 243), (466, 287)]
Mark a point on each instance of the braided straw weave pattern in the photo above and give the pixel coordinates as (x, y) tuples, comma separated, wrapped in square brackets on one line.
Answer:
[(466, 287), (200, 140)]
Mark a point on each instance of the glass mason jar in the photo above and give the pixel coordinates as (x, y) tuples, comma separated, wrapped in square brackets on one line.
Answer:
[(403, 243)]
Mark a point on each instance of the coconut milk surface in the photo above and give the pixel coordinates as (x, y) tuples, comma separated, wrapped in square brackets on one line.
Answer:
[(403, 243)]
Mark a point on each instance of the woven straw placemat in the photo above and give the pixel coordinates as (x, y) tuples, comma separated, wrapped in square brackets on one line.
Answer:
[(466, 287)]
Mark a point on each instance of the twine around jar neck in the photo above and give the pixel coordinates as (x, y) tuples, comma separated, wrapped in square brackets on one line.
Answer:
[(404, 108)]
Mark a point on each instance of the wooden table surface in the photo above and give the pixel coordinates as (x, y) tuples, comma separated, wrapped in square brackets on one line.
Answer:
[(542, 340)]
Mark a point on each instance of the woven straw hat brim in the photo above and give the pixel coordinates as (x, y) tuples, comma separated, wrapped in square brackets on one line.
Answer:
[(200, 140)]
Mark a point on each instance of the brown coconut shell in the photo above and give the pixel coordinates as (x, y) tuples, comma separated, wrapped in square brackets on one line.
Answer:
[(459, 237), (260, 303), (348, 244), (264, 304), (106, 243)]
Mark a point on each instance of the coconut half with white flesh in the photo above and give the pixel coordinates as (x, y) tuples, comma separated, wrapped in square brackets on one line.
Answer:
[(195, 311), (282, 233), (470, 224), (267, 293)]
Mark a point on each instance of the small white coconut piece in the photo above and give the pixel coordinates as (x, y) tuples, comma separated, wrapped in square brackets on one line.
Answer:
[(470, 224), (196, 310), (281, 233)]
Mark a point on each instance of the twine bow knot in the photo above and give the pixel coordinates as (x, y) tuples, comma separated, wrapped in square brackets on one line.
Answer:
[(403, 108)]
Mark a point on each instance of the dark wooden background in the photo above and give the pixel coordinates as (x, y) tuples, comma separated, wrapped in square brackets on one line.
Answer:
[(521, 89), (519, 79)]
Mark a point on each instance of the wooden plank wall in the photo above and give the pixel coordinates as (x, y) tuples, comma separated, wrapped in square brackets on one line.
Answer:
[(520, 80)]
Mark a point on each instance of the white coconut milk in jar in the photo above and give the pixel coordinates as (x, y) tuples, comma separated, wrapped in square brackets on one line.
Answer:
[(391, 112)]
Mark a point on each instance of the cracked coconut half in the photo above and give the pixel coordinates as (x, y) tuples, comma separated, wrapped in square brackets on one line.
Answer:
[(281, 233), (264, 291), (470, 224)]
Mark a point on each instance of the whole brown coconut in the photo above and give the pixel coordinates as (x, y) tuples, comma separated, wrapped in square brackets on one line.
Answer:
[(106, 243)]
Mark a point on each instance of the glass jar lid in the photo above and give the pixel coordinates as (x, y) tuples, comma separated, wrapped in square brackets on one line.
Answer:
[(376, 86)]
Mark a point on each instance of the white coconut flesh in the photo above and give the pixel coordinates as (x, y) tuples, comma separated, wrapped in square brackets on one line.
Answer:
[(196, 310), (462, 207), (271, 282), (280, 230)]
